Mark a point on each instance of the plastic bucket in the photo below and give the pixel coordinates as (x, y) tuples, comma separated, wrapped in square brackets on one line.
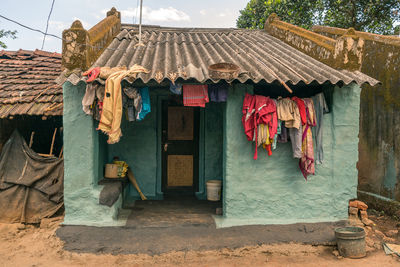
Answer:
[(214, 190), (351, 242)]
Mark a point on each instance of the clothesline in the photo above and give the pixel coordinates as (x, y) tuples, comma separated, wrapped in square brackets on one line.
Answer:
[(267, 121), (106, 103)]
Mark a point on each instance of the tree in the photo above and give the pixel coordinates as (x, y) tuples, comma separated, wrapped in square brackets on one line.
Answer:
[(6, 34), (302, 13), (377, 16)]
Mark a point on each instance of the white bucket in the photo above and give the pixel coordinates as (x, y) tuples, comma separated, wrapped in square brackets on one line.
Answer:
[(214, 190)]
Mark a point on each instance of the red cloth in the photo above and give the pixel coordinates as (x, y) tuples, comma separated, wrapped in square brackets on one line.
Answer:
[(265, 113), (258, 110), (195, 95), (92, 74), (248, 116), (302, 109)]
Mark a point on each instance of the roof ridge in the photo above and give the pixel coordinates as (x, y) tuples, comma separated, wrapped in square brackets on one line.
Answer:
[(182, 29)]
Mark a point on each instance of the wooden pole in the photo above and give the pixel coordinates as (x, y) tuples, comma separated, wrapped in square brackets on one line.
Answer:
[(134, 182), (61, 152), (52, 142), (31, 140), (276, 76)]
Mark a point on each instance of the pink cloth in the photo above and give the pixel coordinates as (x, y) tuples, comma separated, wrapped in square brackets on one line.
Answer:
[(92, 74), (195, 95), (306, 162)]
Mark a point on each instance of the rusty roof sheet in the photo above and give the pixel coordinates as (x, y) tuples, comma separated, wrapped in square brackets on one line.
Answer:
[(27, 83), (186, 53)]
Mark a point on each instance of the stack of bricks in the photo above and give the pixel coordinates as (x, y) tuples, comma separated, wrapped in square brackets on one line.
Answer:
[(357, 208)]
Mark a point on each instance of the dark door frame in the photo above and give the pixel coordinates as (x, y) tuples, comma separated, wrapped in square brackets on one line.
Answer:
[(165, 103)]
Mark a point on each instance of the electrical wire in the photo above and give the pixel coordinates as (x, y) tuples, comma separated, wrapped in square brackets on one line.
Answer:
[(29, 28), (55, 36), (47, 24)]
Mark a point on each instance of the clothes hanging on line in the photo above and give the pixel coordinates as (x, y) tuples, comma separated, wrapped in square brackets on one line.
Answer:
[(283, 136), (288, 112), (195, 95), (306, 162), (92, 74), (88, 98), (248, 119), (296, 141), (176, 88), (111, 115), (264, 138), (268, 121), (218, 92), (146, 106), (320, 107), (132, 102), (278, 132), (302, 109), (258, 110)]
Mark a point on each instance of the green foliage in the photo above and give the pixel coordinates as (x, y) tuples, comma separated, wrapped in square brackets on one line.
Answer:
[(303, 13), (377, 16), (6, 34)]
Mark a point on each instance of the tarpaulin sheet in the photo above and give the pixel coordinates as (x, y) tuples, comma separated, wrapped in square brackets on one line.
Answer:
[(31, 186)]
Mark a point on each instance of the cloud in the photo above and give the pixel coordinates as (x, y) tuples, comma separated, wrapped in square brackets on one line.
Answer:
[(150, 15), (57, 25), (203, 12)]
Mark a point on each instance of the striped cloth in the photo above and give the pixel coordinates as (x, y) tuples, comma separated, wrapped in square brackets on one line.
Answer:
[(195, 95)]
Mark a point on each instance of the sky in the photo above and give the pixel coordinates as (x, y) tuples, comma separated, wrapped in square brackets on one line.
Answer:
[(177, 13)]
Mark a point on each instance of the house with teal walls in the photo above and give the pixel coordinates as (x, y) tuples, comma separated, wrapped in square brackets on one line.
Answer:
[(177, 148)]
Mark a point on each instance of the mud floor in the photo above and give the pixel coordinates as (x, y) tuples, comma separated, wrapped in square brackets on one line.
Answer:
[(33, 245)]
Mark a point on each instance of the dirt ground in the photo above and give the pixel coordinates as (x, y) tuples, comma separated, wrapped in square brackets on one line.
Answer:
[(30, 245)]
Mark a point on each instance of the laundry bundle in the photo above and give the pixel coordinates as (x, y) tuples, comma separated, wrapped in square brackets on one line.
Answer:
[(195, 95), (259, 119), (110, 104), (267, 121)]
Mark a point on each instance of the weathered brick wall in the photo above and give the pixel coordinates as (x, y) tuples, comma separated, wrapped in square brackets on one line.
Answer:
[(379, 147), (81, 48)]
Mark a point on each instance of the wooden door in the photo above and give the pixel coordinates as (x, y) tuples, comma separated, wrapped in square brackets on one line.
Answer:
[(179, 148)]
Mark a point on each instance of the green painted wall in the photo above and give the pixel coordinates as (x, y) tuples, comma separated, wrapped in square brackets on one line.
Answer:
[(269, 190), (138, 147), (272, 189), (82, 165), (86, 152), (213, 141)]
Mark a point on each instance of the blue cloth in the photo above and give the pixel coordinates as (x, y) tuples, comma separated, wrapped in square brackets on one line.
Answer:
[(218, 92), (144, 93), (176, 88), (278, 132)]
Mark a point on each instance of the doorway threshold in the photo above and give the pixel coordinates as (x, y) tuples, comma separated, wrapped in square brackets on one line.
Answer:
[(173, 211)]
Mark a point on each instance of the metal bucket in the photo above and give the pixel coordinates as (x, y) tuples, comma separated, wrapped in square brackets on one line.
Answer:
[(351, 242)]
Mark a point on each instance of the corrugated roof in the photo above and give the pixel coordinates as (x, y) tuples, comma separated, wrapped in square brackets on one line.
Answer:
[(171, 53), (27, 83)]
